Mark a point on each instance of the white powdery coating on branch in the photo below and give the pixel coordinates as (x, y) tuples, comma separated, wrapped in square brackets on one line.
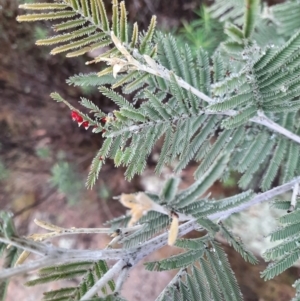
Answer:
[(262, 197), (138, 253), (153, 68), (264, 120), (158, 70)]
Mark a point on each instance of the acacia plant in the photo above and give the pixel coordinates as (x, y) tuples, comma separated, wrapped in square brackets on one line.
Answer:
[(237, 110)]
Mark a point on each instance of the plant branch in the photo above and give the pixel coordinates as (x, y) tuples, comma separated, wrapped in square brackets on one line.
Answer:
[(121, 279), (174, 281), (262, 197), (55, 255), (28, 267), (116, 269), (264, 120), (26, 244), (161, 240), (158, 70), (59, 231)]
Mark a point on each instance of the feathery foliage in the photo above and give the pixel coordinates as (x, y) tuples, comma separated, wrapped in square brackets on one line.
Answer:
[(10, 254), (285, 254), (235, 110), (90, 272)]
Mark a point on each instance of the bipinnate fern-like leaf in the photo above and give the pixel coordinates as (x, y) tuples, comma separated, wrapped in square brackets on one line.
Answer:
[(193, 244), (268, 82), (286, 16), (212, 281), (296, 285), (276, 268), (90, 18), (90, 272), (174, 113), (238, 245), (90, 79), (201, 109), (206, 207), (10, 254), (219, 262), (170, 189), (10, 257), (176, 261), (285, 254), (150, 228), (228, 10)]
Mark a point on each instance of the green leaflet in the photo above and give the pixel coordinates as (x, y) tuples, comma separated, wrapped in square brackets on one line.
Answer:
[(207, 224), (211, 279), (254, 167), (240, 118), (193, 244), (226, 10), (280, 265), (56, 277), (176, 261), (169, 190), (150, 228), (171, 52), (98, 162), (245, 76), (291, 164), (238, 245), (273, 168), (189, 195), (123, 23), (285, 232), (285, 254), (11, 254), (67, 36), (149, 34), (43, 6), (203, 71), (252, 7), (251, 154), (206, 207), (233, 102), (226, 279), (234, 32), (229, 84), (286, 14), (65, 268), (46, 16), (90, 79), (116, 98), (218, 149)]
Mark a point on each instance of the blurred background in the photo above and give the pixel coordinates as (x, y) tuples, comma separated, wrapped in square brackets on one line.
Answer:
[(45, 157)]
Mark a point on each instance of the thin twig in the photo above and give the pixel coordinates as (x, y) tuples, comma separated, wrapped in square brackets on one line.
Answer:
[(139, 252), (174, 281), (26, 244), (264, 120), (122, 277), (154, 68), (262, 197), (102, 281), (161, 240), (28, 267)]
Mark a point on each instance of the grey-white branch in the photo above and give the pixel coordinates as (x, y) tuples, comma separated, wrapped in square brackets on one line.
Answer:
[(52, 255), (152, 67)]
